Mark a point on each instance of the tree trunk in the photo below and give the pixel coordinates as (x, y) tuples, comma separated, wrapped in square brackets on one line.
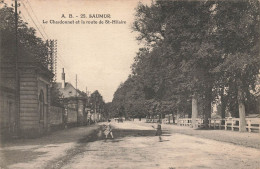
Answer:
[(194, 110), (177, 115), (173, 119), (223, 106), (207, 113), (242, 112), (223, 109), (207, 101)]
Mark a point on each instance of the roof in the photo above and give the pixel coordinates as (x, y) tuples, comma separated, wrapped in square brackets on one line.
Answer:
[(69, 90)]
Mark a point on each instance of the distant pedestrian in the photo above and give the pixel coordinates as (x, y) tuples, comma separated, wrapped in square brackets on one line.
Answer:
[(159, 130), (108, 130)]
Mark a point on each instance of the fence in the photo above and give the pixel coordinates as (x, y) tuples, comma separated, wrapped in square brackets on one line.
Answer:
[(184, 122), (167, 120), (152, 120), (188, 122), (252, 124)]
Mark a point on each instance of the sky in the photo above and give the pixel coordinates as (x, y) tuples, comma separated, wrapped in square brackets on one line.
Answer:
[(100, 54)]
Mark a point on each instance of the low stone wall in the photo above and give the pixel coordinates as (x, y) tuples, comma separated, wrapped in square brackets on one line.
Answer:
[(71, 115), (56, 117)]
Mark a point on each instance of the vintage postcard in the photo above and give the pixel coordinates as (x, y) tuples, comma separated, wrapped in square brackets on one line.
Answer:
[(145, 84)]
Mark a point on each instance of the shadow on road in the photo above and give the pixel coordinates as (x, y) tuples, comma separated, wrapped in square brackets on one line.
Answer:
[(98, 135), (134, 133), (56, 137), (119, 134)]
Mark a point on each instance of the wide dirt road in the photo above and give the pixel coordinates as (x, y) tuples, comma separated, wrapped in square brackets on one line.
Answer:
[(51, 151), (134, 146)]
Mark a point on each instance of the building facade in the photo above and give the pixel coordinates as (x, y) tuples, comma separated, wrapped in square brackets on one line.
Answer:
[(30, 115), (75, 103)]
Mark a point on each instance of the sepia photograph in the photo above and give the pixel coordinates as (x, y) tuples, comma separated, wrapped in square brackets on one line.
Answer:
[(129, 84)]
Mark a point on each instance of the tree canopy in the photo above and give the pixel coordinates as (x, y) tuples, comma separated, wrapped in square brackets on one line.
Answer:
[(203, 48), (30, 47)]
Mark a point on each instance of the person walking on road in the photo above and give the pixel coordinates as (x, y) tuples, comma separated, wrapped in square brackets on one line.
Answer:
[(159, 130), (108, 130)]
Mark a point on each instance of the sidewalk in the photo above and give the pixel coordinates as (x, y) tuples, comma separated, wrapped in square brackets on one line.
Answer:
[(244, 139)]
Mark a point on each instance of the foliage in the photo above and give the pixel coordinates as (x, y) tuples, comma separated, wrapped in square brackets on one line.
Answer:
[(30, 47), (55, 95), (193, 47), (96, 102), (237, 35), (129, 99)]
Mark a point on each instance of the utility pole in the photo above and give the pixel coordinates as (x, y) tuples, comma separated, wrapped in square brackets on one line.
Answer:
[(1, 2), (17, 80), (76, 85), (95, 108), (77, 99)]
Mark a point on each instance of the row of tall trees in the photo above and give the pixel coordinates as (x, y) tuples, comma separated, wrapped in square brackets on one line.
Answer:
[(128, 100), (200, 50), (97, 104)]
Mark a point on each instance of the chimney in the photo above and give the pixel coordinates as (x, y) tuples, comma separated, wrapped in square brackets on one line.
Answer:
[(63, 79)]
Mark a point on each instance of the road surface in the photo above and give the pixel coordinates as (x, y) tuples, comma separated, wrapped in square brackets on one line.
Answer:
[(134, 146)]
